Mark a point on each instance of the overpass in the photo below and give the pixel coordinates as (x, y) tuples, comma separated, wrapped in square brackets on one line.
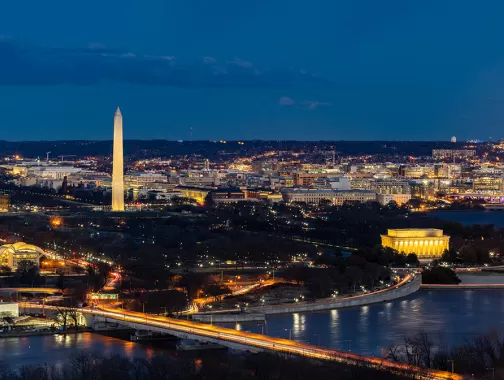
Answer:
[(249, 341), (32, 291)]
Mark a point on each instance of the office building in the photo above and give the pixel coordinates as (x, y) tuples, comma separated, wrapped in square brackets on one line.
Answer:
[(452, 153), (488, 184)]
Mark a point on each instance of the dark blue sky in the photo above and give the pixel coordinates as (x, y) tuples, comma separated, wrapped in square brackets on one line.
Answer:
[(252, 69)]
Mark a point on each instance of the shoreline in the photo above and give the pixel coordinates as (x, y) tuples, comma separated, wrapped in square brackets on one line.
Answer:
[(462, 287), (22, 334), (385, 295)]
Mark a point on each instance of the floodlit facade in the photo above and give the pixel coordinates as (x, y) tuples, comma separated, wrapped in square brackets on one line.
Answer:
[(118, 164), (9, 309), (400, 199), (196, 193), (336, 197), (4, 202), (12, 254), (136, 180), (427, 243)]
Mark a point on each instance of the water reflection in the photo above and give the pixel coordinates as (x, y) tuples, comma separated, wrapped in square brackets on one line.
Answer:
[(56, 349), (369, 329), (366, 330), (298, 324)]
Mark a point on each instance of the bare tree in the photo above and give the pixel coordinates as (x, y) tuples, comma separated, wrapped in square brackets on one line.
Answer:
[(63, 316)]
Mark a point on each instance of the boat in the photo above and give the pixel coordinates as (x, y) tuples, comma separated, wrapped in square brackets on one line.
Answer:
[(196, 345)]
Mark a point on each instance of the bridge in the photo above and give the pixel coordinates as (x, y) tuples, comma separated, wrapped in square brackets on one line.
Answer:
[(249, 341)]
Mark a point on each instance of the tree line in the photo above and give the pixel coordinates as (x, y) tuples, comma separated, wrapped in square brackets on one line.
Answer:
[(261, 366), (481, 356)]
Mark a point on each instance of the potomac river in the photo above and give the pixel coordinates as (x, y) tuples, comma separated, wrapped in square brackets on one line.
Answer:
[(365, 330)]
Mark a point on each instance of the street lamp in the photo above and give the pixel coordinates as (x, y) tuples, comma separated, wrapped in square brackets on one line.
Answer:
[(493, 372), (290, 333), (262, 328), (452, 365)]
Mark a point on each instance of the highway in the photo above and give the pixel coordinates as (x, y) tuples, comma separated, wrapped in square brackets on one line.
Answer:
[(201, 302), (257, 341), (112, 281), (329, 302)]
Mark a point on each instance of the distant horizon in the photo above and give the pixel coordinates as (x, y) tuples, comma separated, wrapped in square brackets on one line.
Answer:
[(476, 141)]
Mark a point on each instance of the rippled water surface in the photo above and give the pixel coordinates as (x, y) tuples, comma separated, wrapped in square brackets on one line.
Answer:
[(366, 330), (472, 217), (56, 349)]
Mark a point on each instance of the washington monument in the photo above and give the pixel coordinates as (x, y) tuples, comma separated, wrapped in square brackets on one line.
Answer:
[(118, 165)]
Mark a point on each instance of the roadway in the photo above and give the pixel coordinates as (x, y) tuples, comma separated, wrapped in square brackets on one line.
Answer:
[(112, 281), (202, 301), (256, 342), (31, 290), (327, 303)]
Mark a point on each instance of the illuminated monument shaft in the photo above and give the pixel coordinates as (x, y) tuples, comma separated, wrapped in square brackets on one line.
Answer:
[(118, 165)]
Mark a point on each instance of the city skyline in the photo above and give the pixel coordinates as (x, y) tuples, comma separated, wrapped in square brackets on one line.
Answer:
[(306, 190), (205, 71)]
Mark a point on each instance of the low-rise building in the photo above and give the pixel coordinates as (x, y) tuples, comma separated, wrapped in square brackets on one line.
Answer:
[(9, 309), (4, 202), (336, 197), (385, 199), (12, 254), (197, 193), (228, 195), (426, 243), (136, 180)]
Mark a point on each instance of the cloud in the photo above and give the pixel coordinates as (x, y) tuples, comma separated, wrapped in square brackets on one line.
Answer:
[(23, 64), (241, 63), (209, 60), (308, 104), (314, 104), (286, 101)]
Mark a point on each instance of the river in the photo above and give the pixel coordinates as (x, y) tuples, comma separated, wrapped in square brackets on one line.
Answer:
[(368, 329), (472, 217), (365, 330)]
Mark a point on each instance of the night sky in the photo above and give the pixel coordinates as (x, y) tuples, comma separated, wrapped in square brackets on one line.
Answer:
[(252, 69)]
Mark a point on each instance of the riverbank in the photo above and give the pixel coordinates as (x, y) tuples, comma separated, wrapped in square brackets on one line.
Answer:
[(461, 286), (229, 317), (409, 285), (21, 334)]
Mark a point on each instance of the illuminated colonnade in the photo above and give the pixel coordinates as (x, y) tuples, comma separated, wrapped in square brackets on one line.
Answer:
[(426, 243)]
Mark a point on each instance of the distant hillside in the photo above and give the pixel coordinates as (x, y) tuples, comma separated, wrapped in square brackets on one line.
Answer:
[(164, 148)]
